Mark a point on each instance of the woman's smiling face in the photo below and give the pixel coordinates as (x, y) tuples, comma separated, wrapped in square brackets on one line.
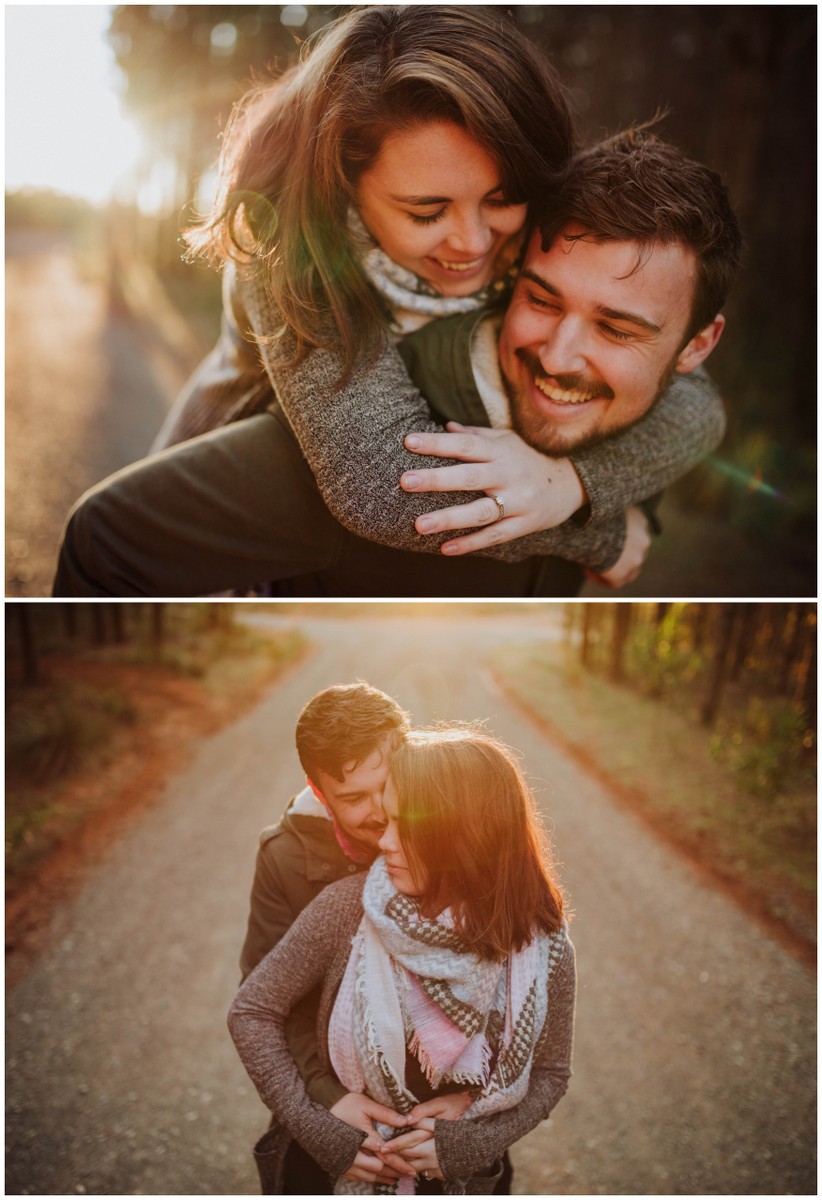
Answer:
[(433, 201)]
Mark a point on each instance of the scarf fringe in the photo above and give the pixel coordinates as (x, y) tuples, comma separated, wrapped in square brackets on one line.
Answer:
[(436, 1077)]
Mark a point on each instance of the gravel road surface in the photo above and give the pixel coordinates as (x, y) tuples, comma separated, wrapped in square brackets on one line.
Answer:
[(694, 1068)]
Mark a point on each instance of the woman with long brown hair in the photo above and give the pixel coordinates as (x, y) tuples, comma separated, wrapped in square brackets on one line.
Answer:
[(447, 979), (379, 185)]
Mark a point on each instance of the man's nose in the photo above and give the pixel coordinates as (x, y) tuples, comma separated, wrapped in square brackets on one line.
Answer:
[(377, 810), (564, 352)]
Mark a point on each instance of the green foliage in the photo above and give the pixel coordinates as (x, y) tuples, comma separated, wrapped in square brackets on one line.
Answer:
[(662, 659), (48, 735), (766, 746), (742, 800)]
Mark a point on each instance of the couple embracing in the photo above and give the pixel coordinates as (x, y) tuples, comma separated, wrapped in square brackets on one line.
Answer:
[(412, 236), (407, 1010)]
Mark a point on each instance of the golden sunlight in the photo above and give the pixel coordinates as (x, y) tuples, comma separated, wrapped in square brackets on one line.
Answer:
[(64, 126)]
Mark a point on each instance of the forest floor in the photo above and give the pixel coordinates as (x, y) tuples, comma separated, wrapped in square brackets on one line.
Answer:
[(70, 796)]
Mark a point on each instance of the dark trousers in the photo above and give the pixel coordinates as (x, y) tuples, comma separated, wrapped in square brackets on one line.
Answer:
[(304, 1177)]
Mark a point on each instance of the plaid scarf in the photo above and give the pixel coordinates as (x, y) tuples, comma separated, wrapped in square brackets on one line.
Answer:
[(413, 984), (413, 301)]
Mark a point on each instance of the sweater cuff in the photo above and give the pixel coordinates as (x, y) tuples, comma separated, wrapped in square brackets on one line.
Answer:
[(464, 1148), (336, 1147)]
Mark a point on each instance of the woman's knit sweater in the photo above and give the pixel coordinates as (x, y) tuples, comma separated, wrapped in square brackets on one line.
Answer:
[(352, 437), (315, 950)]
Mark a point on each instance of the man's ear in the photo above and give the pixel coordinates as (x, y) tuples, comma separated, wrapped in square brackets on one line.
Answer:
[(315, 790), (700, 346)]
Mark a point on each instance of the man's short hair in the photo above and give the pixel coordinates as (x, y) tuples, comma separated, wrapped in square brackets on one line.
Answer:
[(344, 723), (635, 187)]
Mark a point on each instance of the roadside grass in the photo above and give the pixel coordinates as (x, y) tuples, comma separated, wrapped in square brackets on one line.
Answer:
[(98, 708), (695, 787)]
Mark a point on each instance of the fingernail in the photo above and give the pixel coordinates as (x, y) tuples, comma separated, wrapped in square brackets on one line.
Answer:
[(412, 442), (425, 524), (410, 481), (450, 548)]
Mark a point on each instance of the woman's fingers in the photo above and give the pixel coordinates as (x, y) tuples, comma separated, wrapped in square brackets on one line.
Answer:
[(397, 1163), (469, 445), (367, 1168), (407, 1141), (449, 1107), (467, 477), (460, 516)]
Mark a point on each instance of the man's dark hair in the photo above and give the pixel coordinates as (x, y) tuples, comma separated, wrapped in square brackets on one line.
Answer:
[(635, 187), (344, 723)]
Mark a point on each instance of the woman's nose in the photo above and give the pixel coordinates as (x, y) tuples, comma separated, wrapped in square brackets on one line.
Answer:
[(471, 235)]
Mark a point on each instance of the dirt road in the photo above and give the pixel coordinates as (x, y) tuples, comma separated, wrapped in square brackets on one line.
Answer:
[(85, 395), (694, 1068)]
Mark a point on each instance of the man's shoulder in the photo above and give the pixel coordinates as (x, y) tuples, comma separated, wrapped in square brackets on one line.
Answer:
[(438, 358), (303, 844)]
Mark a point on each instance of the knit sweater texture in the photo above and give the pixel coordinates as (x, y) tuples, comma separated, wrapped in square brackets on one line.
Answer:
[(316, 950), (352, 437)]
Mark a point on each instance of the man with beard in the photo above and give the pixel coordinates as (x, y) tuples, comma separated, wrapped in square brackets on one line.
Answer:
[(345, 736), (619, 293)]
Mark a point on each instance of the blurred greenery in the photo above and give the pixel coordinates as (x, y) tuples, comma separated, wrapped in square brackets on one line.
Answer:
[(741, 797), (88, 708)]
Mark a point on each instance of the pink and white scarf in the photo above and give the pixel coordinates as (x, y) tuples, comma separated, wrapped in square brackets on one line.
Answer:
[(413, 983)]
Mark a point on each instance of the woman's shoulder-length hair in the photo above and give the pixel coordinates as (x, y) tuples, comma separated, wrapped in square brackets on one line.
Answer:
[(471, 831)]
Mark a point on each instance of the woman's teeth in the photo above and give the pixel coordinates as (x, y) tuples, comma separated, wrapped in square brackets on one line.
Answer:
[(459, 266)]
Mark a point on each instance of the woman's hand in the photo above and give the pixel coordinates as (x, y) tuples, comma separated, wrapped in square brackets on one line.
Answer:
[(419, 1150), (450, 1107), (538, 492), (361, 1112), (368, 1168)]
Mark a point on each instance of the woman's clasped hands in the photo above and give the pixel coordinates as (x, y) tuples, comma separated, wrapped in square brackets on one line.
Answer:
[(410, 1153)]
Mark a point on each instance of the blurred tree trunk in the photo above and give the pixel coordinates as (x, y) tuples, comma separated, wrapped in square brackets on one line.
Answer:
[(69, 612), (721, 664), (586, 645), (118, 615), (744, 638), (28, 649), (98, 624), (619, 640), (157, 616)]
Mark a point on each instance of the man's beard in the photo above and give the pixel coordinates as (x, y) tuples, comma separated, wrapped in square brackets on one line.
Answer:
[(535, 429)]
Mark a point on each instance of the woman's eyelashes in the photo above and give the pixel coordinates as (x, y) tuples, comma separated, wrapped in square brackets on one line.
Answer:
[(420, 219), (430, 218)]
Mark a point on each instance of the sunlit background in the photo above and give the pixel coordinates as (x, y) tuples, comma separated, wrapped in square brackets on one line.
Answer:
[(65, 127)]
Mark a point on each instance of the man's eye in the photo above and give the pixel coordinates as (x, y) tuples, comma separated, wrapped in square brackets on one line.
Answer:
[(541, 302), (618, 334)]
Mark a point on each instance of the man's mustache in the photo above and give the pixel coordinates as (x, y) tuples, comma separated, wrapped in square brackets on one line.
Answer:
[(567, 383)]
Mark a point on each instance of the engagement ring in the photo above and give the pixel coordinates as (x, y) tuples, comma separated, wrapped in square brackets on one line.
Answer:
[(500, 503)]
